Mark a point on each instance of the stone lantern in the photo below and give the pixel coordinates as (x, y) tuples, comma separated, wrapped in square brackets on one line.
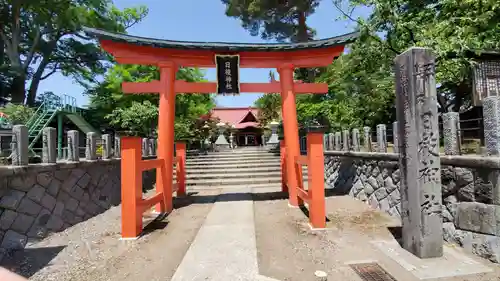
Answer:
[(274, 133), (221, 141)]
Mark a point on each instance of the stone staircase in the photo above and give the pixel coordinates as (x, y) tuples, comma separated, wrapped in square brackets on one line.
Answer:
[(241, 167)]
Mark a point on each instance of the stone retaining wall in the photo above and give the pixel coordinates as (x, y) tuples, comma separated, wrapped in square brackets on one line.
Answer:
[(470, 219), (39, 199)]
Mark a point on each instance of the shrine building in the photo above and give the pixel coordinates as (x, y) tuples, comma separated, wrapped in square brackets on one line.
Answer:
[(244, 123)]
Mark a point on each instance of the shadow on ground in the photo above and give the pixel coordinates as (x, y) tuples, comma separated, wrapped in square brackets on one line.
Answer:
[(28, 261)]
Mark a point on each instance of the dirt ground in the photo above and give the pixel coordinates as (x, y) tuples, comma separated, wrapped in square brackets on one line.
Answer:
[(289, 250), (93, 251)]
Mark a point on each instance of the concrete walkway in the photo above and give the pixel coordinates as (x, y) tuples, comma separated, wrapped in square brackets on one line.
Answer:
[(225, 246)]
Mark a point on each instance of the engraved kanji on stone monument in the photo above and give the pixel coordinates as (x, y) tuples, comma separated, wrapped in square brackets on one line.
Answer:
[(419, 156), (106, 146)]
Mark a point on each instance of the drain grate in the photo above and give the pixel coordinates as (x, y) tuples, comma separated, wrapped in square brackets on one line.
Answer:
[(371, 272)]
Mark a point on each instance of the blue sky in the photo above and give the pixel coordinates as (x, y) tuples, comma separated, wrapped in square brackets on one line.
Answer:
[(204, 20)]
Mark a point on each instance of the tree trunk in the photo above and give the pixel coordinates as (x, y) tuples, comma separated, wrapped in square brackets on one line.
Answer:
[(17, 89), (303, 36), (35, 82)]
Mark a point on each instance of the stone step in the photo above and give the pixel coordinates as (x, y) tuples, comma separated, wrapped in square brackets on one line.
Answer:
[(233, 159), (233, 181), (240, 175), (232, 169), (235, 163), (276, 186), (230, 155)]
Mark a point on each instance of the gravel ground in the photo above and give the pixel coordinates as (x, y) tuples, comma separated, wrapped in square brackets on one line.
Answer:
[(289, 250), (93, 251)]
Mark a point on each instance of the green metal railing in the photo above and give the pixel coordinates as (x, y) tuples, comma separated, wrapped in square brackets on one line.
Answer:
[(45, 113)]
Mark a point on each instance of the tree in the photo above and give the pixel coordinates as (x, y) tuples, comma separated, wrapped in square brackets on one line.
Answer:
[(281, 20), (109, 107), (269, 106), (450, 28), (43, 37)]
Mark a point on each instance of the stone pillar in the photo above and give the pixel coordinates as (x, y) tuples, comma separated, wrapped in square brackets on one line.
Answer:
[(381, 138), (145, 149), (451, 133), (338, 142), (355, 139), (91, 146), (263, 140), (49, 145), (331, 141), (417, 115), (73, 146), (106, 146), (20, 145), (367, 139), (491, 119), (117, 145), (345, 140), (395, 137), (150, 147)]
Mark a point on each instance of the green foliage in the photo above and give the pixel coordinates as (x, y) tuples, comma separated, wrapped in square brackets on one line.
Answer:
[(40, 38), (269, 108), (137, 119), (274, 19), (109, 107), (17, 114), (450, 28)]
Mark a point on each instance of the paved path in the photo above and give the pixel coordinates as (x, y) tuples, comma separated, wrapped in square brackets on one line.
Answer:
[(225, 246)]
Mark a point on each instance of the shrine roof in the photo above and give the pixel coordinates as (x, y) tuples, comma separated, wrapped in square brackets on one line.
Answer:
[(233, 115), (222, 46)]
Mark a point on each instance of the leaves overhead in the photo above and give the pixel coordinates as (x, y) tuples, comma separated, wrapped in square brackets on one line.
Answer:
[(139, 113), (44, 37)]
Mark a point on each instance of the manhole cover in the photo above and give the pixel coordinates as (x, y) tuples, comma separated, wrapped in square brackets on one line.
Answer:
[(372, 272)]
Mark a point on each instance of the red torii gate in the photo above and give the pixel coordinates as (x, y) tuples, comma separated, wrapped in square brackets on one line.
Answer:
[(168, 56)]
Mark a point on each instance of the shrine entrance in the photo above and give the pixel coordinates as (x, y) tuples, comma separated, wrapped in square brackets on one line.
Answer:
[(168, 56)]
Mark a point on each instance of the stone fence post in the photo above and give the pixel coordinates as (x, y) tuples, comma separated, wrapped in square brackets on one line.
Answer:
[(395, 137), (331, 141), (367, 140), (145, 149), (106, 146), (338, 142), (117, 147), (417, 114), (381, 138), (451, 133), (345, 140), (91, 146), (355, 139), (49, 145), (73, 146), (20, 145), (491, 119)]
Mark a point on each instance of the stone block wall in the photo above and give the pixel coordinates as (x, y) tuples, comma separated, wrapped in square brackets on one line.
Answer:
[(36, 200), (470, 219)]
